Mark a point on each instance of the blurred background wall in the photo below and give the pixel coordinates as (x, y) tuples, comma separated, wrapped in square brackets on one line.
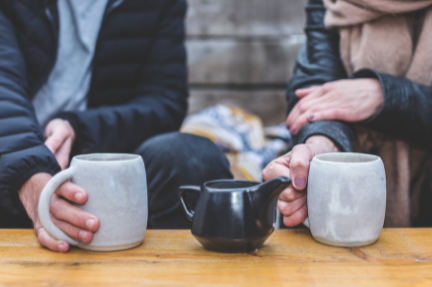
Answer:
[(243, 52)]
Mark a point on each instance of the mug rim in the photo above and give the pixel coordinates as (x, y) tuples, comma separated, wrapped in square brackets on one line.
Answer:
[(228, 189), (106, 157), (370, 158)]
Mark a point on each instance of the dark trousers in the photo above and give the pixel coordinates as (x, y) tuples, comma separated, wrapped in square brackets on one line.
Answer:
[(176, 159), (171, 160)]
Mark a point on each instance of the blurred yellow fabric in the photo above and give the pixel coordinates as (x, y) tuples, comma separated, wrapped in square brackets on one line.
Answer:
[(241, 136)]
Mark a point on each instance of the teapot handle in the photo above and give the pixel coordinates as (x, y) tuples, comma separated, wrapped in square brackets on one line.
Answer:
[(183, 199)]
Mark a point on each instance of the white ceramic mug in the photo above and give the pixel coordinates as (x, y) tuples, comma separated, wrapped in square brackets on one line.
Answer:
[(117, 195), (346, 199)]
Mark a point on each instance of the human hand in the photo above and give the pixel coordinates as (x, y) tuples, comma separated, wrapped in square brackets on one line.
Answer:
[(72, 220), (60, 138), (295, 165), (346, 100)]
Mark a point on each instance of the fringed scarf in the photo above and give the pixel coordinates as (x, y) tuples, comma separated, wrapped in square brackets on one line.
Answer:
[(392, 37)]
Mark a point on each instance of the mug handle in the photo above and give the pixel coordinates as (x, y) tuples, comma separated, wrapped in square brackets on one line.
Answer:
[(183, 199), (44, 205)]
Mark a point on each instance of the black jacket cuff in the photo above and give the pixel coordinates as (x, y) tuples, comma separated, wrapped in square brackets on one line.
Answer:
[(402, 114), (338, 132), (45, 162), (17, 168)]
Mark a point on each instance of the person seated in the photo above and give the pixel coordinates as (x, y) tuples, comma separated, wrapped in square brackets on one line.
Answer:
[(362, 83), (99, 76)]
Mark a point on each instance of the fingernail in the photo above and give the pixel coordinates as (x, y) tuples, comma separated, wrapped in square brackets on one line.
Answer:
[(90, 223), (78, 196), (293, 130), (311, 116), (83, 234), (300, 182), (61, 247)]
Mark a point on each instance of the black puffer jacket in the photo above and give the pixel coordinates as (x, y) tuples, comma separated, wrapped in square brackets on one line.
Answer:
[(407, 110), (138, 86)]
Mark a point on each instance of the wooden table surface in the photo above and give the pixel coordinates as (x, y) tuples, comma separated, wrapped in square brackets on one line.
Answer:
[(401, 257)]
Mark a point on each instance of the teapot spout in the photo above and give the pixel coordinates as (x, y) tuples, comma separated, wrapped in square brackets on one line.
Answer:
[(264, 199)]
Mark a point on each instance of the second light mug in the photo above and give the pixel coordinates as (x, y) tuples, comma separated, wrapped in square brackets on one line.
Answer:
[(117, 195), (346, 199)]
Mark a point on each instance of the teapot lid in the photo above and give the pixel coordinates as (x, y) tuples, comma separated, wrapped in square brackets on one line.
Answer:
[(229, 185)]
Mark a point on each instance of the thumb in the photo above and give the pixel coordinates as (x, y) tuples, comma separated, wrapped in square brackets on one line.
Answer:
[(299, 165), (45, 239), (63, 153), (56, 140)]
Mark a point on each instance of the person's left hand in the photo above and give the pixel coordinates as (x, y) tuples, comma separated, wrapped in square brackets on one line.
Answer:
[(60, 138), (346, 100)]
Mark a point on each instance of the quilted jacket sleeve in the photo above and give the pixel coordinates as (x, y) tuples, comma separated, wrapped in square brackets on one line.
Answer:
[(22, 149), (160, 103), (317, 63)]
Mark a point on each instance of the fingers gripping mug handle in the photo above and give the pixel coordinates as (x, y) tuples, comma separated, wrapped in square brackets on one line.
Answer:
[(183, 199), (44, 205)]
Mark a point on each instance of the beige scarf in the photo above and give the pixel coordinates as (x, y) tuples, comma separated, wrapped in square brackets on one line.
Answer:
[(381, 35)]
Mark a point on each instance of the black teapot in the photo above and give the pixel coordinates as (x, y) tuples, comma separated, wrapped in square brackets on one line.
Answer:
[(233, 215)]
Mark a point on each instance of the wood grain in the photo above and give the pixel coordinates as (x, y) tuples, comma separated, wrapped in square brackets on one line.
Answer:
[(249, 44), (401, 257), (233, 61), (245, 18), (269, 105)]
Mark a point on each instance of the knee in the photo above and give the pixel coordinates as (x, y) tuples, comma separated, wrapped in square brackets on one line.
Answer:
[(184, 153)]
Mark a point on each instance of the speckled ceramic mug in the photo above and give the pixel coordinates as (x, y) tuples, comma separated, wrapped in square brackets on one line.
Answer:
[(346, 199), (117, 195)]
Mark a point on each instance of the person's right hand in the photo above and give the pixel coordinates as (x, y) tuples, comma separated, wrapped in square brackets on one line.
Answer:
[(72, 220), (295, 165)]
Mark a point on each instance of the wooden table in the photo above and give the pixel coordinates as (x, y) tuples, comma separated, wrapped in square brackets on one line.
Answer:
[(401, 257)]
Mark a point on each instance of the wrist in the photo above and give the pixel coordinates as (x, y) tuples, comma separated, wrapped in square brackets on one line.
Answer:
[(71, 130), (30, 191)]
